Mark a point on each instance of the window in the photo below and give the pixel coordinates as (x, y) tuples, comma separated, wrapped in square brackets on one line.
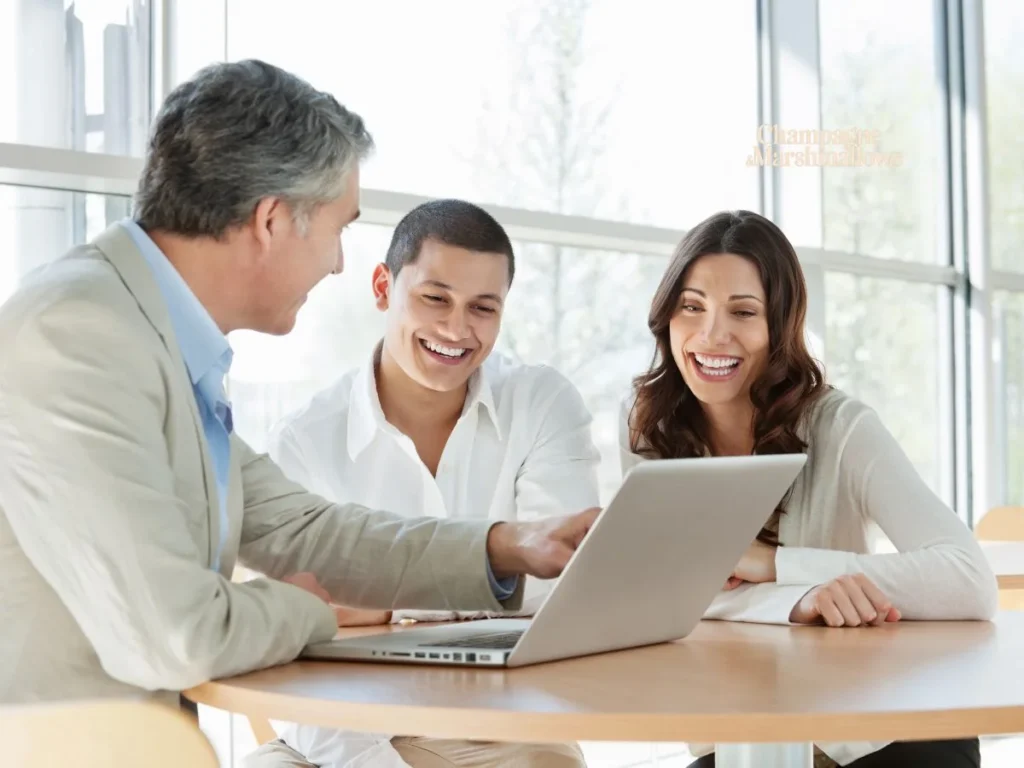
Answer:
[(583, 312), (889, 338), (40, 225), (1008, 377), (572, 106), (882, 347), (879, 73), (336, 330), (75, 77), (1004, 65)]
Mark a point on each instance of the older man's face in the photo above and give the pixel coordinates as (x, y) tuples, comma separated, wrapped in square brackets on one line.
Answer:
[(301, 259)]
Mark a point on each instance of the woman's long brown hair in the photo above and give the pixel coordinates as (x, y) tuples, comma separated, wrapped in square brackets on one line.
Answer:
[(667, 420)]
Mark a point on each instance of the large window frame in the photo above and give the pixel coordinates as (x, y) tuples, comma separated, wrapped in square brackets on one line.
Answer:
[(789, 81), (972, 466)]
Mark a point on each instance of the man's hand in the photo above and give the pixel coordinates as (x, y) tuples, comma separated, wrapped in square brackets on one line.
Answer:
[(731, 583), (849, 601), (347, 617), (356, 617), (540, 548), (757, 564)]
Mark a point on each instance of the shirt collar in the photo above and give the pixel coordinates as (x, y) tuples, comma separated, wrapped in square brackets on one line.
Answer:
[(366, 417), (204, 348), (481, 393)]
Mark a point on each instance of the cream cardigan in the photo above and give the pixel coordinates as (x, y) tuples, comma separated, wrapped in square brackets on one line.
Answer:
[(858, 496)]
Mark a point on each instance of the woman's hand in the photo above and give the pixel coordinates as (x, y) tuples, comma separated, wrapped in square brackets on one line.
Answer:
[(849, 601), (757, 565)]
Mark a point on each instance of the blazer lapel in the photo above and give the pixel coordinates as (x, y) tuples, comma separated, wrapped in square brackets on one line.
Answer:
[(235, 508), (120, 250)]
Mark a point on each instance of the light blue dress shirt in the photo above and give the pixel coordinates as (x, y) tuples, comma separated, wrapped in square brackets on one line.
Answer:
[(207, 355)]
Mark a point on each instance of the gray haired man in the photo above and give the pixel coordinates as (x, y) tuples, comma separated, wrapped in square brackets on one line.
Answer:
[(125, 496)]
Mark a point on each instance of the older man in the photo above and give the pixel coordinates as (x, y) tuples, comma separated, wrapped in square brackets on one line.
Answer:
[(126, 498)]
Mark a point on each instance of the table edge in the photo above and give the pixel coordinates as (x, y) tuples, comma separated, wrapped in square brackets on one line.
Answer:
[(504, 725)]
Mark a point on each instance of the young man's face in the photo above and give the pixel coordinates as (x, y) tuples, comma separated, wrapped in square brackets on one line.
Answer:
[(443, 312)]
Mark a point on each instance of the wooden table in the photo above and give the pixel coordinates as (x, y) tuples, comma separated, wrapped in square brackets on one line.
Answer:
[(739, 685), (1007, 560)]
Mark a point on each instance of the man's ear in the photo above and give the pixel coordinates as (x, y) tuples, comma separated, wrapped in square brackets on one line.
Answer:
[(382, 284), (266, 222)]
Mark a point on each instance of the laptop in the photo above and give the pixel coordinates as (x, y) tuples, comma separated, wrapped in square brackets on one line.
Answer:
[(655, 558)]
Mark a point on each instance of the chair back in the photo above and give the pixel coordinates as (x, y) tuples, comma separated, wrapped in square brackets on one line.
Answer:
[(1001, 524), (101, 734)]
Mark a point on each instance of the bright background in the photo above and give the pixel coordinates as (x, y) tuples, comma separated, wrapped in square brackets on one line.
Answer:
[(598, 131)]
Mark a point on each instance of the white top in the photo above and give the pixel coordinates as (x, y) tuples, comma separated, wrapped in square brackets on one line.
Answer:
[(857, 496), (521, 449)]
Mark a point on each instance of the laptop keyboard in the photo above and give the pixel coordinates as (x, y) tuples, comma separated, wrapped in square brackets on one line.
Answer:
[(496, 640)]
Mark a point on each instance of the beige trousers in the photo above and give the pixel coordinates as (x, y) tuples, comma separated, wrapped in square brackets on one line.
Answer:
[(441, 753)]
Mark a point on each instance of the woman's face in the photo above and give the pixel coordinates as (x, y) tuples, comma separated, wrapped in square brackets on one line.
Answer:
[(719, 331)]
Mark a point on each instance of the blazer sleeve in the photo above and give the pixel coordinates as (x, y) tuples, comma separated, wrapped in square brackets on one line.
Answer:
[(364, 558)]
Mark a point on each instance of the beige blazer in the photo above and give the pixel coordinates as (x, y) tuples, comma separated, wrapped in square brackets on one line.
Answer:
[(109, 516)]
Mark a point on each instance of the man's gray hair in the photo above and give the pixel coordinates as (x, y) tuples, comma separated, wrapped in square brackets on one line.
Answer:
[(240, 132)]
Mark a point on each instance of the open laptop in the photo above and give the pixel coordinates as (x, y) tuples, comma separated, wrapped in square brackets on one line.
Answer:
[(646, 572)]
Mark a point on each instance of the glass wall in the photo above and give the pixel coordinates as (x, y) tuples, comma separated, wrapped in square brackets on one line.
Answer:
[(620, 119), (566, 107), (1008, 360), (893, 206), (76, 75), (39, 225), (883, 347), (1004, 73)]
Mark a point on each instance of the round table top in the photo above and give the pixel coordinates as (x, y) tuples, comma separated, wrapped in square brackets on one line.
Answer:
[(1007, 561), (726, 682)]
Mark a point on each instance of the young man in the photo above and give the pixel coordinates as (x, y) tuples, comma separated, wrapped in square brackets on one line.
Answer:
[(435, 424), (125, 495)]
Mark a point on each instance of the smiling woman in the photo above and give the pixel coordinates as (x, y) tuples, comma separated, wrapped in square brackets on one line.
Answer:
[(734, 298), (733, 377), (718, 334)]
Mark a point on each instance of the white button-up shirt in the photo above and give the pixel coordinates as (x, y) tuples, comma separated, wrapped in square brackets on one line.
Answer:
[(521, 449)]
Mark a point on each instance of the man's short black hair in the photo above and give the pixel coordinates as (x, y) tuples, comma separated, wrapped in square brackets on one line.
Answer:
[(452, 222)]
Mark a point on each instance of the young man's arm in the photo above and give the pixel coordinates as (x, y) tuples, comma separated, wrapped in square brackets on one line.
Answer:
[(560, 472), (559, 475)]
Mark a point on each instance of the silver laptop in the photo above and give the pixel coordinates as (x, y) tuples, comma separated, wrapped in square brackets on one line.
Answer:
[(646, 572)]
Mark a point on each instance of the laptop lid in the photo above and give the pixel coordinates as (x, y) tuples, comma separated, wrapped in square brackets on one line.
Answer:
[(657, 554)]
